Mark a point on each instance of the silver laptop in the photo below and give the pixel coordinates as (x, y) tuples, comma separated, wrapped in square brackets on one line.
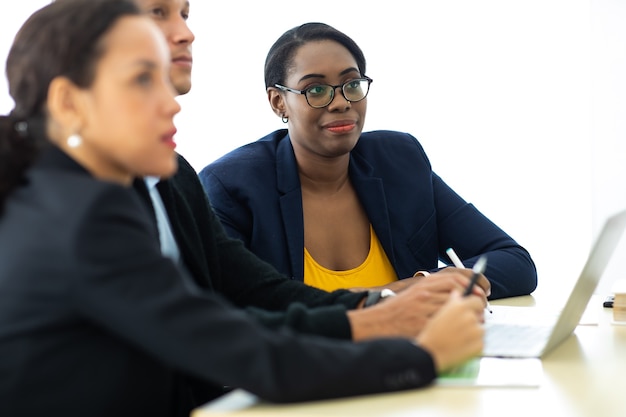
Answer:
[(527, 340)]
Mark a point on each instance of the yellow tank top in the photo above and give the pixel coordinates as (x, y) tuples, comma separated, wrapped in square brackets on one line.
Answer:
[(375, 270)]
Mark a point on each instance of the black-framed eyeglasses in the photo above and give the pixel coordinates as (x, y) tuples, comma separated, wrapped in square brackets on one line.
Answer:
[(321, 95)]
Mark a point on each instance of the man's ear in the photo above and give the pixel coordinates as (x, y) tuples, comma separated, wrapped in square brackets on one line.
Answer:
[(277, 101), (64, 104)]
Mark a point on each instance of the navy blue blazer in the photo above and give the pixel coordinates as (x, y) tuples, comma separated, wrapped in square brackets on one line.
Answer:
[(255, 191)]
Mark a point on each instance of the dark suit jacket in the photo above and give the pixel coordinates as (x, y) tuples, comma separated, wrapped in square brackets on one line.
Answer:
[(255, 191), (221, 264), (95, 322)]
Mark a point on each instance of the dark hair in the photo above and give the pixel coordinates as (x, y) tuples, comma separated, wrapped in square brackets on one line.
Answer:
[(280, 56), (61, 39)]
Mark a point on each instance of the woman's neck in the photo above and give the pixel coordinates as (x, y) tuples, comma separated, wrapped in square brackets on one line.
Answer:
[(326, 176)]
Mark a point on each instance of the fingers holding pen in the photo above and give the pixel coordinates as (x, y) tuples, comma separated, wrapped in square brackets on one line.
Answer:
[(455, 333), (440, 284), (483, 282), (407, 313)]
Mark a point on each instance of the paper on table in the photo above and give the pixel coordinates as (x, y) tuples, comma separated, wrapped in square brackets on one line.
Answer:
[(495, 372)]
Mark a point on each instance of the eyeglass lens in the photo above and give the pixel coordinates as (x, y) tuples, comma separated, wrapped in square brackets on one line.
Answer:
[(322, 95)]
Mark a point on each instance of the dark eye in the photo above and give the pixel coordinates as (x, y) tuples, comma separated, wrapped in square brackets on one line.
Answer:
[(144, 79), (317, 90), (353, 85), (157, 12)]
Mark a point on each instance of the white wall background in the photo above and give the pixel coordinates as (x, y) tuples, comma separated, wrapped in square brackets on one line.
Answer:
[(519, 103)]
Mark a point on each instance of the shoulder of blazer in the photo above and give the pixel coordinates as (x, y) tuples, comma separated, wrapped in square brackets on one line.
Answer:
[(385, 139), (388, 150), (258, 152)]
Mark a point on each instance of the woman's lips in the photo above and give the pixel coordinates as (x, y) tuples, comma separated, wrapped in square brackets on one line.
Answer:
[(341, 127), (168, 139)]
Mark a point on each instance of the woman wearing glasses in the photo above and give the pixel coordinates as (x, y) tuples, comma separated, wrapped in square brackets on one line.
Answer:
[(336, 207)]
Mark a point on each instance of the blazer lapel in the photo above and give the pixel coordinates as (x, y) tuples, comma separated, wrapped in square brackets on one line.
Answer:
[(185, 232), (372, 196), (288, 183)]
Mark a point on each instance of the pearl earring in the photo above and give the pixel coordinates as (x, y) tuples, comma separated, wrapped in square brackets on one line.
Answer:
[(74, 140)]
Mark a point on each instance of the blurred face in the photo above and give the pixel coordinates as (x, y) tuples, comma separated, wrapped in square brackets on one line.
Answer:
[(127, 114), (171, 17), (331, 131)]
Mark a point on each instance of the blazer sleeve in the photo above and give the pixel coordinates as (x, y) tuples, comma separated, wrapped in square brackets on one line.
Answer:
[(125, 287), (424, 216), (510, 268)]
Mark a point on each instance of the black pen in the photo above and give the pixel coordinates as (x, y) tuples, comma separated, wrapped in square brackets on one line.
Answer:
[(478, 269), (457, 262)]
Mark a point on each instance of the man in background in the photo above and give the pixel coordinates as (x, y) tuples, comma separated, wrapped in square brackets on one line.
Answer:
[(193, 237)]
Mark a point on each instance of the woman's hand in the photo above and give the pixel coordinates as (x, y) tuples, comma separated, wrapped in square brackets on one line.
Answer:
[(407, 314), (440, 283), (455, 334)]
